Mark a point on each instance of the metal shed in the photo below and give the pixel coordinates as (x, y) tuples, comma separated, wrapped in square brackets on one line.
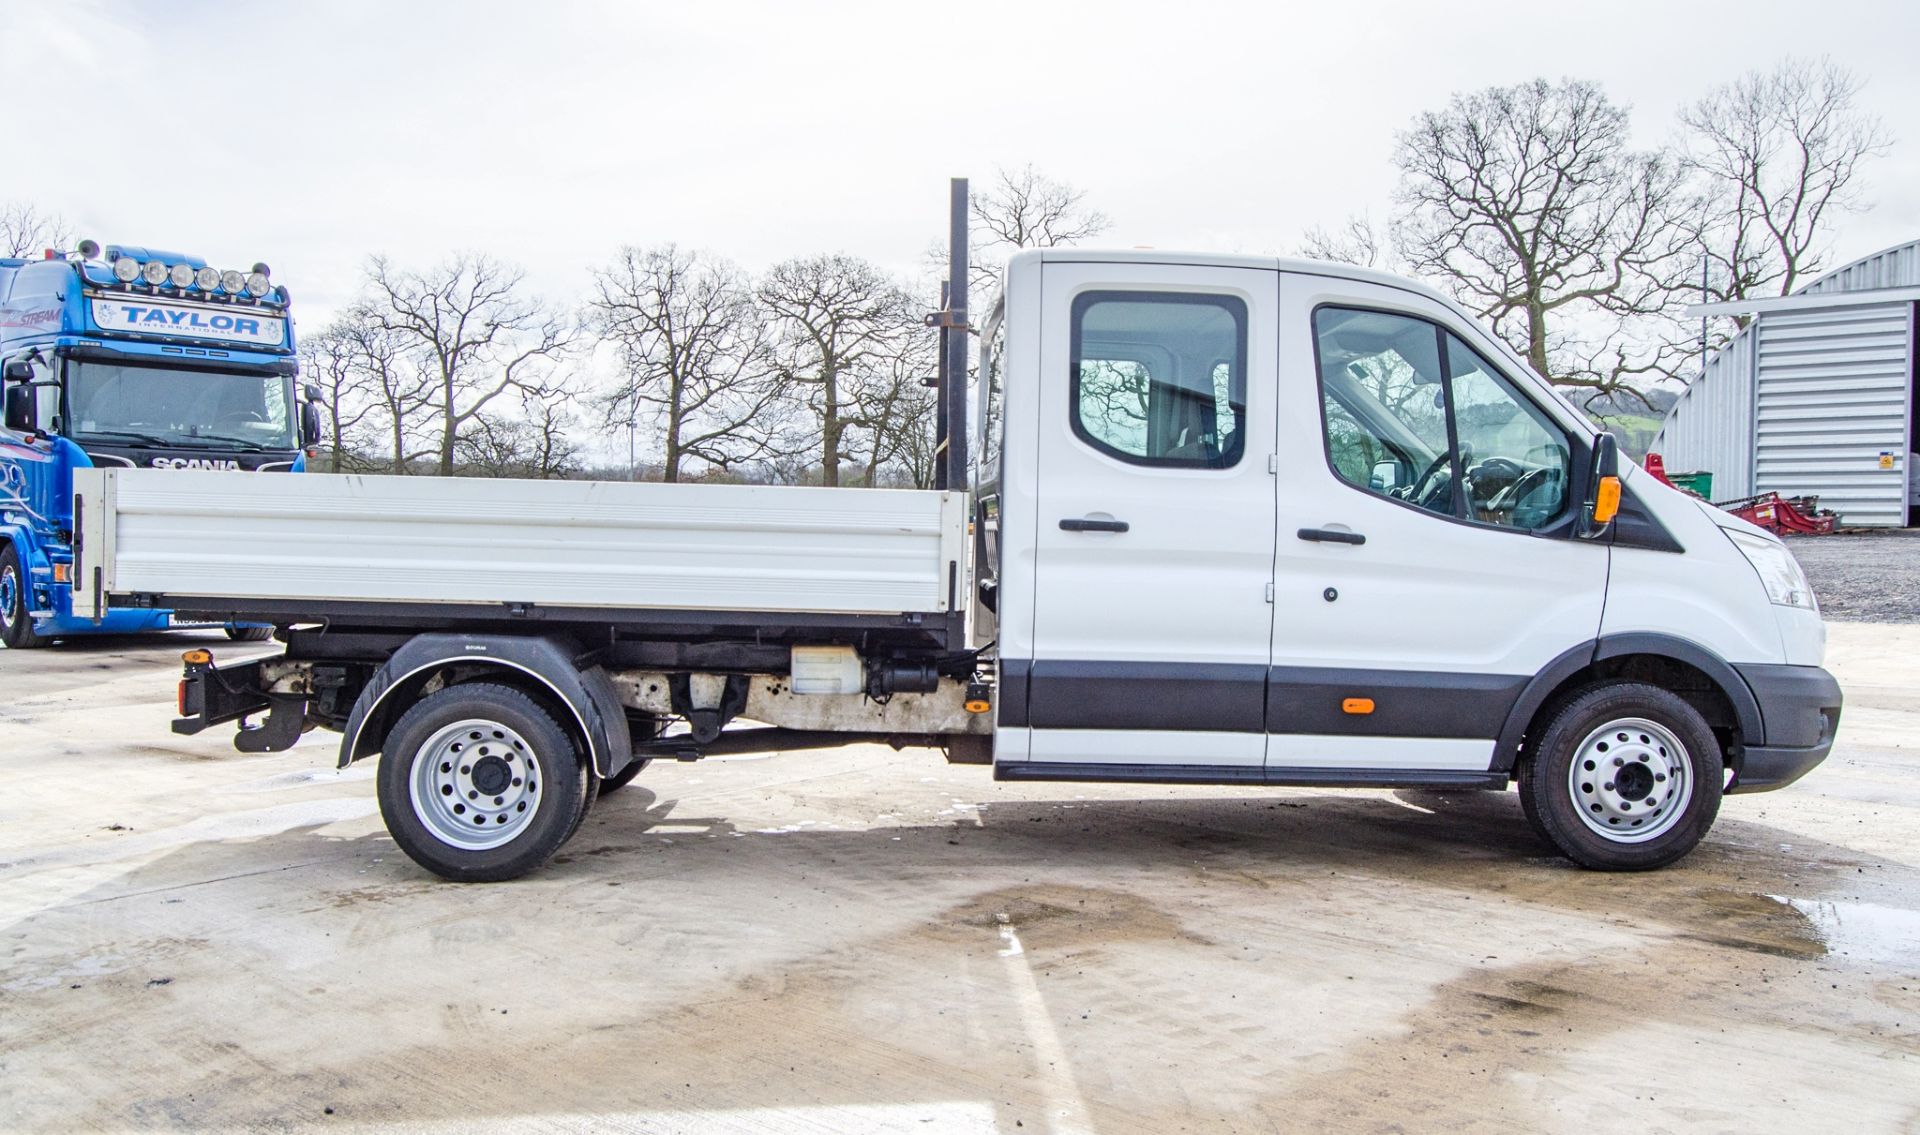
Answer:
[(1814, 397)]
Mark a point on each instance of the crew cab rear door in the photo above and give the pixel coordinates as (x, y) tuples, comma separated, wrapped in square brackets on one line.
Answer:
[(1153, 549)]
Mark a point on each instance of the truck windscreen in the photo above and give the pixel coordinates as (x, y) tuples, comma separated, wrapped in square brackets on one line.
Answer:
[(168, 406)]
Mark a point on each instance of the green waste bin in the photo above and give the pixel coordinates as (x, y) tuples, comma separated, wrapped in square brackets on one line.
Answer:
[(1696, 482)]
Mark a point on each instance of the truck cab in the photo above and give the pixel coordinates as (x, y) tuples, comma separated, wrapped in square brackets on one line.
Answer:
[(131, 358), (1250, 520)]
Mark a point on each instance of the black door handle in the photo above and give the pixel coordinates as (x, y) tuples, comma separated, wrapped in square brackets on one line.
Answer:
[(1080, 524), (1331, 536)]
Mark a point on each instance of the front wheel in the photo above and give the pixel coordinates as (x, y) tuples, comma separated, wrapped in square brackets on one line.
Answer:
[(478, 783), (1625, 777), (16, 620)]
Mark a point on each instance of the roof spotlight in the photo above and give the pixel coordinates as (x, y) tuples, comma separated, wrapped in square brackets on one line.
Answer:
[(232, 281), (154, 272), (207, 279), (126, 269), (257, 285), (181, 275)]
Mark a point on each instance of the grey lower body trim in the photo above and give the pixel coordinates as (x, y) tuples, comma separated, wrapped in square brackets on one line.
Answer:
[(1763, 769), (1240, 774), (1799, 705), (1232, 698)]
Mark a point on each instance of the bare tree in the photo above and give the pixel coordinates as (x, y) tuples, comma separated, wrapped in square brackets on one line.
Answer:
[(897, 410), (837, 321), (26, 231), (394, 380), (536, 444), (332, 361), (1027, 209), (1529, 205), (1022, 209), (476, 337), (1778, 154), (1357, 242), (693, 349)]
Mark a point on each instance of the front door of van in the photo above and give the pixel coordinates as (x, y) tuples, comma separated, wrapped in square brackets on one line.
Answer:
[(1154, 543), (1426, 567)]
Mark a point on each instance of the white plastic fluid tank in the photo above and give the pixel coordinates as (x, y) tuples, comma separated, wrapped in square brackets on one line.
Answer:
[(826, 670)]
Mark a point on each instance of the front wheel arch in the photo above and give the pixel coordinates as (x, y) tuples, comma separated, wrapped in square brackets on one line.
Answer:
[(1723, 699)]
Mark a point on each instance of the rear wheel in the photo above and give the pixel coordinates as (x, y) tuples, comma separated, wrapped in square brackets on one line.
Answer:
[(248, 632), (16, 623), (1626, 777), (478, 783)]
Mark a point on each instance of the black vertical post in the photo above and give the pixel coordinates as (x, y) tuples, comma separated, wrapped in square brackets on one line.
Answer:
[(954, 394), (941, 429)]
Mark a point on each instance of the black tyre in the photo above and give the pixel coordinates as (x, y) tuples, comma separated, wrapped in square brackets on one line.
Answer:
[(248, 633), (478, 783), (622, 778), (1625, 777), (16, 591)]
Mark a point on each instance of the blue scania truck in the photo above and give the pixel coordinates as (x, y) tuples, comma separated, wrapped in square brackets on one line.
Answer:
[(131, 357)]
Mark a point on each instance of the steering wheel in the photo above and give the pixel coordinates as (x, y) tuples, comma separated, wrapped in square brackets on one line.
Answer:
[(241, 416), (1420, 491), (1508, 499)]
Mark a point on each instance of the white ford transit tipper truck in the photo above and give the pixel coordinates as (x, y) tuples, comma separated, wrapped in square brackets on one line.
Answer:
[(1233, 520)]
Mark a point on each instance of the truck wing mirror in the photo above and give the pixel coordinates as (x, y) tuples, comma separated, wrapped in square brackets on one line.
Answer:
[(309, 424), (312, 392), (1603, 488), (19, 370), (19, 407)]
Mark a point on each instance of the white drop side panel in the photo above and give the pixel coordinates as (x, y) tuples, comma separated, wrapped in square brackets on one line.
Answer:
[(182, 533), (1832, 397)]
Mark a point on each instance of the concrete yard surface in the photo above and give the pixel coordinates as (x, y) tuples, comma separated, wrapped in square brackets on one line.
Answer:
[(864, 940)]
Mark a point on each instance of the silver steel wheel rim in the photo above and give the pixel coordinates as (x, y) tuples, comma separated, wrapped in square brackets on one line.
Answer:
[(10, 594), (1631, 780), (475, 784)]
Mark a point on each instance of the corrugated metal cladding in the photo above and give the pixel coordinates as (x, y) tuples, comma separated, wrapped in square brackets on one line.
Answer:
[(1834, 387), (1711, 427), (1896, 267), (1833, 397)]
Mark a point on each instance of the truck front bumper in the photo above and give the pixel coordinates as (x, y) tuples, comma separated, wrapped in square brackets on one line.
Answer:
[(1800, 711)]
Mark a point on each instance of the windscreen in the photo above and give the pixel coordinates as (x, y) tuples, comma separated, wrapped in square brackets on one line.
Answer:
[(165, 406)]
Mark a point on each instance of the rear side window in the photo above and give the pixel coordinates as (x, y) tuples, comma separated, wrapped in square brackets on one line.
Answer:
[(1161, 378)]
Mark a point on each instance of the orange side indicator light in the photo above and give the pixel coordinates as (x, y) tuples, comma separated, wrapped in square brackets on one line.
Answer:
[(1606, 503), (1357, 705), (197, 657)]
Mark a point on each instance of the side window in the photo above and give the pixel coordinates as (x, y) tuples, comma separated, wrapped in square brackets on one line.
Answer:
[(1518, 462), (1414, 414), (1161, 378), (1385, 405)]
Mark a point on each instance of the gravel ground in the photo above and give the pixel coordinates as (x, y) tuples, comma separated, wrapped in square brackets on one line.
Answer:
[(1872, 578)]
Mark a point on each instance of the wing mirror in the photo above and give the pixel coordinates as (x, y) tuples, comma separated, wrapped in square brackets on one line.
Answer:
[(19, 370), (1603, 488), (19, 406), (309, 425)]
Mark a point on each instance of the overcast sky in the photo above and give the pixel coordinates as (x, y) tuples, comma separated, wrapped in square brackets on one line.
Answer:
[(312, 134)]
